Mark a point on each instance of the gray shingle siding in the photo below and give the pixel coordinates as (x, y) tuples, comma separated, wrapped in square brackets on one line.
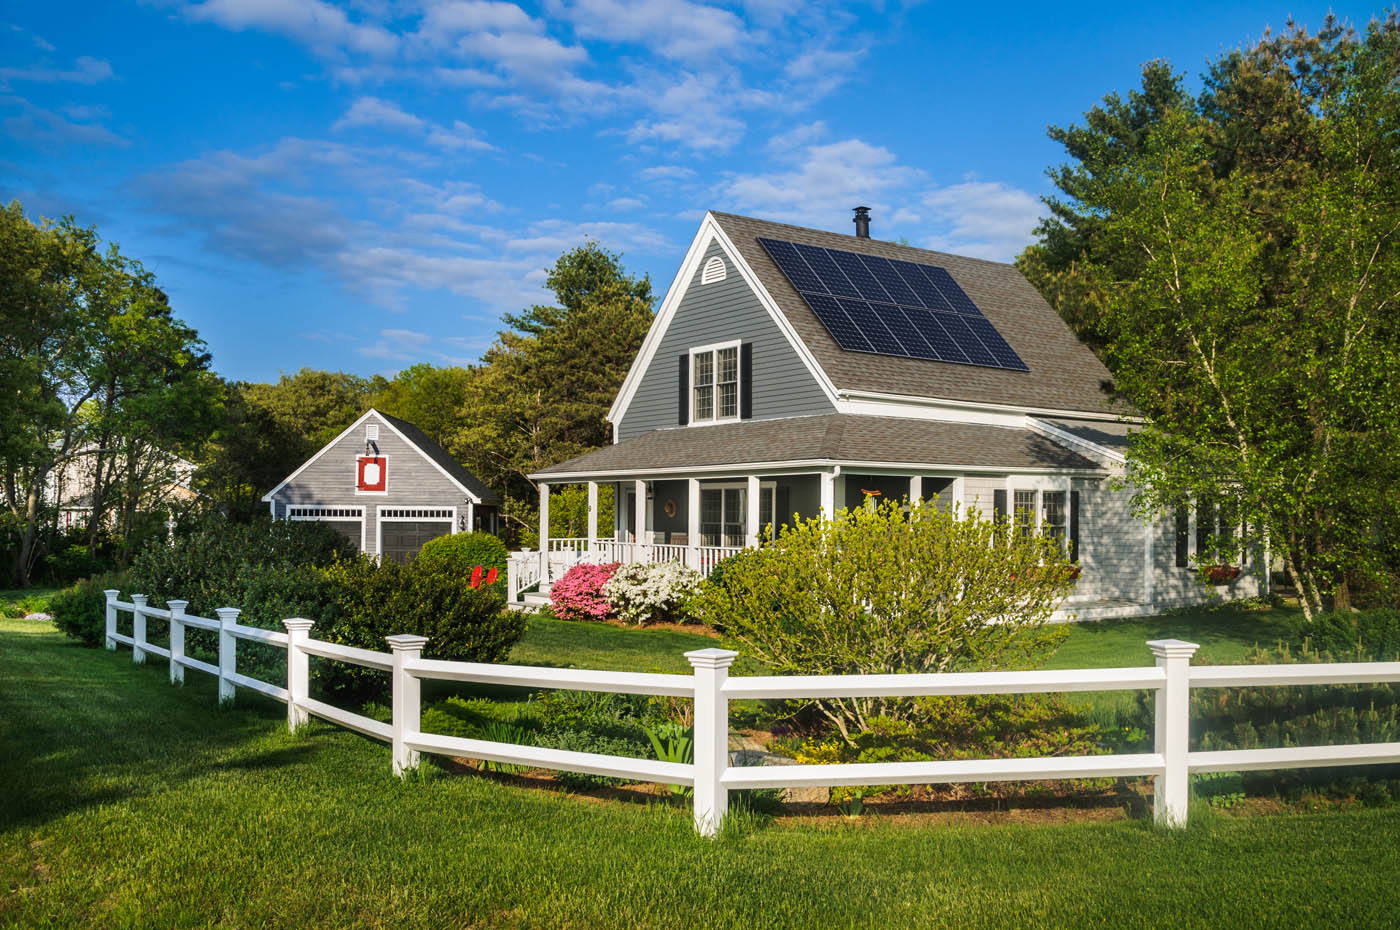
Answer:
[(720, 312), (414, 482)]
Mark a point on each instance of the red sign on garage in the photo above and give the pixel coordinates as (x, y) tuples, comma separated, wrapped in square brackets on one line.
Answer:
[(372, 473)]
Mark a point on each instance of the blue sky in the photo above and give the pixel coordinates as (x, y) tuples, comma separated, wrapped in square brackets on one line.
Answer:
[(370, 184)]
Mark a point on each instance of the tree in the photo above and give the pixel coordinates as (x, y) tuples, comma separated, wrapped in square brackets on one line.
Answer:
[(878, 591), (542, 393), (91, 362), (1239, 265), (432, 399)]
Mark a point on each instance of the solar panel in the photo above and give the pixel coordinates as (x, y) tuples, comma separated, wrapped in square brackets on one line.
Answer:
[(892, 307)]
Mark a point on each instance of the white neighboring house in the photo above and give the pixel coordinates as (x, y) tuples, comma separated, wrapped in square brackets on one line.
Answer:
[(165, 479), (793, 371), (387, 487)]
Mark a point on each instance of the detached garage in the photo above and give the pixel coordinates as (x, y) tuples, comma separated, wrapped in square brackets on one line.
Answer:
[(387, 487)]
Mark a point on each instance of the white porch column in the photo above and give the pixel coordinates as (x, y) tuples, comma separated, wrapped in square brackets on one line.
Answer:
[(828, 494), (752, 501), (692, 521), (916, 490), (592, 517), (639, 518), (544, 533)]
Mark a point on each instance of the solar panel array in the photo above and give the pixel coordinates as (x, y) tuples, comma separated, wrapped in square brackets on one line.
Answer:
[(890, 307)]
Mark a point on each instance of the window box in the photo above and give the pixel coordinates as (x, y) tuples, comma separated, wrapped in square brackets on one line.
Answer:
[(1221, 574)]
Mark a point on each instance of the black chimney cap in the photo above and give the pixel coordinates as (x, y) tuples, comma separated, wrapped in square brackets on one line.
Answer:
[(862, 221)]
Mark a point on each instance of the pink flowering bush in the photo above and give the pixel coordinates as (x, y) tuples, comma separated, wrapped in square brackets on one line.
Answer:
[(579, 594)]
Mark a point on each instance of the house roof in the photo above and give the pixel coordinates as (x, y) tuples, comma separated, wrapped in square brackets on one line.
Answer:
[(442, 459), (1110, 435), (1064, 374), (415, 437), (831, 439)]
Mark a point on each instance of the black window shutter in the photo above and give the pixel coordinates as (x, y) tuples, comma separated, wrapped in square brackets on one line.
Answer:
[(683, 410), (746, 381), (1183, 536), (1074, 526), (998, 513)]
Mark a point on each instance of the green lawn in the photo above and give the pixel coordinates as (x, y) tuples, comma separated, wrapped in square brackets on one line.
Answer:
[(548, 641), (134, 804)]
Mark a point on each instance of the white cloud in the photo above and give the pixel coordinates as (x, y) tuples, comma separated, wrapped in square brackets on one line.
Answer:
[(381, 114), (445, 21), (623, 204), (667, 173), (984, 219), (315, 23), (695, 111), (44, 129), (823, 183), (458, 136), (85, 70), (675, 29)]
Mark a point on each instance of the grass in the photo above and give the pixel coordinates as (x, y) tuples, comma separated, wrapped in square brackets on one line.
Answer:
[(134, 804), (548, 641)]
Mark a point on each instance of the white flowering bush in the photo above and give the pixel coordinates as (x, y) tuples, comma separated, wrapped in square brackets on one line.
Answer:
[(651, 593)]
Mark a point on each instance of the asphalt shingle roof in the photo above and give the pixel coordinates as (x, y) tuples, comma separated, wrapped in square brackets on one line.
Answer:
[(440, 455), (1112, 435), (834, 438), (1064, 374)]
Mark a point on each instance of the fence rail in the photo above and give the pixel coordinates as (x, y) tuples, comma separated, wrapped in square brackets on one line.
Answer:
[(1170, 764)]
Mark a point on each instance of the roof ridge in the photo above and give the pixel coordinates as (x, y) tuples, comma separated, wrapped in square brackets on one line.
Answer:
[(884, 242)]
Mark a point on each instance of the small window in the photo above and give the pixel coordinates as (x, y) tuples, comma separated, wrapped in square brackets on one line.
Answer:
[(714, 271), (715, 390)]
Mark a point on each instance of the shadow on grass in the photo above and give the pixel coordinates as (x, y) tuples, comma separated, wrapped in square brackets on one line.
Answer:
[(108, 729)]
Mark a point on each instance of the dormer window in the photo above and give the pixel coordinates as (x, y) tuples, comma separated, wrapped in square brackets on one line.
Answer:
[(714, 383)]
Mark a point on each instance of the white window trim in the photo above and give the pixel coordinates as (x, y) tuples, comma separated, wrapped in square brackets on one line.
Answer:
[(380, 519), (356, 479), (737, 346), (1037, 484), (324, 519)]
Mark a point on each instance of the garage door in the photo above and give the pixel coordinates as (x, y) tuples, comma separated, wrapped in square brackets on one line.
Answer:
[(403, 538), (350, 529)]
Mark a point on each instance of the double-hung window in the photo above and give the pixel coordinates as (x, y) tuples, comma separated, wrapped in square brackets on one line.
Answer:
[(714, 383)]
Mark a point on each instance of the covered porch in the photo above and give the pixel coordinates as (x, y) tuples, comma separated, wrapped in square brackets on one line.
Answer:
[(700, 520)]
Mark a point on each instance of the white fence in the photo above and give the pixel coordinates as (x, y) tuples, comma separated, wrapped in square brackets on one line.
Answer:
[(1170, 763)]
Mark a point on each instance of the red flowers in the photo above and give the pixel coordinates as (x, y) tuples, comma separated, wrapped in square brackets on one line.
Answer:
[(1222, 574)]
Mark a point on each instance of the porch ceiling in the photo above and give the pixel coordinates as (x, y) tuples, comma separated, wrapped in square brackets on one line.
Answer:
[(814, 442)]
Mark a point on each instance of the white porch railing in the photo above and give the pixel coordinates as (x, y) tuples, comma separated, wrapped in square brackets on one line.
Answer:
[(527, 568), (1170, 763)]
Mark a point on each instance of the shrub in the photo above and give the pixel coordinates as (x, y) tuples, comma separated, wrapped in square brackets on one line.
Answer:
[(71, 563), (651, 593), (1369, 634), (81, 609), (579, 594), (877, 590), (222, 564), (459, 553), (367, 601), (585, 741)]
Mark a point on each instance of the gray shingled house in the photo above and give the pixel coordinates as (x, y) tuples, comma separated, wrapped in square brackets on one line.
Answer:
[(387, 487), (791, 371)]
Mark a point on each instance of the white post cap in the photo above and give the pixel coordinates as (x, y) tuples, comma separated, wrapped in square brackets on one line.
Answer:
[(227, 614), (139, 600), (711, 658), (298, 624), (406, 642), (1172, 648), (177, 605)]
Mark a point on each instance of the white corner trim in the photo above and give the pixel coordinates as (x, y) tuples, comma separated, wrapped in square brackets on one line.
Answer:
[(1085, 447), (709, 231)]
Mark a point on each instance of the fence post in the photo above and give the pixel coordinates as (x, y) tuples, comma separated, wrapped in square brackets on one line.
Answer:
[(711, 736), (177, 640), (228, 652), (138, 629), (1172, 730), (112, 594), (298, 672), (407, 710)]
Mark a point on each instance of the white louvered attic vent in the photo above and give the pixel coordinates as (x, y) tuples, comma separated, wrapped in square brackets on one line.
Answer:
[(714, 271), (371, 432)]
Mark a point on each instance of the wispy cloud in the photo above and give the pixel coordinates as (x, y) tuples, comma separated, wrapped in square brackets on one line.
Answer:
[(377, 113), (85, 70), (39, 128), (984, 219), (323, 28)]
